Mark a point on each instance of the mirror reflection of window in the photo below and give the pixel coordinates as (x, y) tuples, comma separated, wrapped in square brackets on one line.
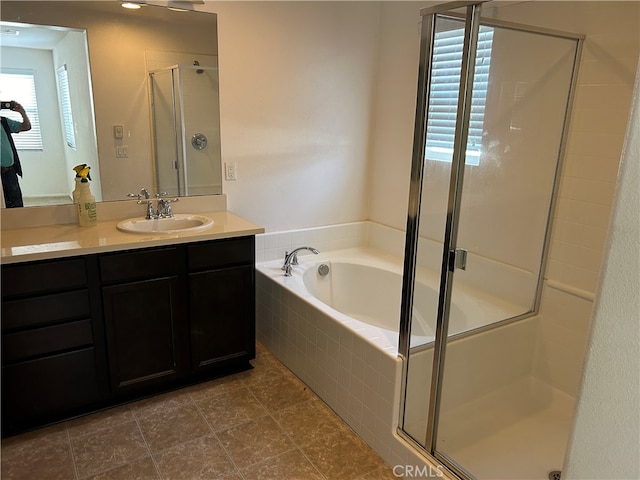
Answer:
[(21, 87), (65, 106)]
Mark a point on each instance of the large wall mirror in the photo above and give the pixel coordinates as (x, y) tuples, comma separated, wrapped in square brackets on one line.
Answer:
[(132, 93)]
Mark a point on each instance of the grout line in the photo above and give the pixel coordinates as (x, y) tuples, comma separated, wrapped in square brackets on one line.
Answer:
[(73, 457), (153, 459)]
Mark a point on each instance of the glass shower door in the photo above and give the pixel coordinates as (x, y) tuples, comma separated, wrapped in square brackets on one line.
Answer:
[(165, 132), (487, 393), (491, 113)]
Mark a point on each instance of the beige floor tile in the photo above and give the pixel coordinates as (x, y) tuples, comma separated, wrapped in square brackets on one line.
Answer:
[(34, 440), (233, 476), (215, 387), (279, 393), (255, 441), (169, 427), (161, 403), (381, 473), (307, 421), (143, 469), (200, 459), (50, 462), (108, 448), (263, 371), (341, 455), (230, 408), (292, 465), (96, 421)]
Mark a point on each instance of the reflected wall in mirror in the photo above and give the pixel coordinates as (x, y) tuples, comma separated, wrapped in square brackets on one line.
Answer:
[(122, 51)]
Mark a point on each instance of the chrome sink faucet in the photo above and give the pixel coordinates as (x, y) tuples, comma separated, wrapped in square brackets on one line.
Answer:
[(163, 210), (291, 258)]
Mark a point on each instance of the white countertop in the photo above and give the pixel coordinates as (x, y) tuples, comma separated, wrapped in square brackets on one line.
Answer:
[(67, 240)]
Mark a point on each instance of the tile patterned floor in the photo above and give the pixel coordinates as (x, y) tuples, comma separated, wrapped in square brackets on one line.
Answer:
[(263, 424)]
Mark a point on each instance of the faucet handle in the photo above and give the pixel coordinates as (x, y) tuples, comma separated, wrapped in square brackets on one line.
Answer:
[(289, 259), (164, 206)]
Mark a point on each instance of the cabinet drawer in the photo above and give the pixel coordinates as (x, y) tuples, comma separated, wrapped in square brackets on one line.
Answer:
[(44, 310), (43, 277), (221, 253), (139, 264), (47, 389), (46, 341)]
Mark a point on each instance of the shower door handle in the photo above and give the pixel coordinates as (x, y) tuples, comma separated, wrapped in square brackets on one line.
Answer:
[(457, 259)]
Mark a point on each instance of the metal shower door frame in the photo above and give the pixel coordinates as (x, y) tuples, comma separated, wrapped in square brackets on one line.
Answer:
[(450, 254), (171, 71), (472, 26)]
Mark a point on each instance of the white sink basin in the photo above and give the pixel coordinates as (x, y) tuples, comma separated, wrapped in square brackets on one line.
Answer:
[(179, 223)]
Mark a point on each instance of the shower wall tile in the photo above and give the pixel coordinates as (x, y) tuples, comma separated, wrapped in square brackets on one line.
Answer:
[(598, 123), (595, 142), (562, 339), (273, 245)]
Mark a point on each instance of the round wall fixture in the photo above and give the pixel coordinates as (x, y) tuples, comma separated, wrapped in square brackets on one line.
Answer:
[(199, 141)]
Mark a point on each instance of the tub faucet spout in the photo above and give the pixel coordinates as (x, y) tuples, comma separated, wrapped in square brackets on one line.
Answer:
[(291, 258)]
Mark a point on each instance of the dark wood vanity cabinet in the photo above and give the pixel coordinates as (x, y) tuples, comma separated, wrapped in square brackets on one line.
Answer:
[(52, 342), (88, 332)]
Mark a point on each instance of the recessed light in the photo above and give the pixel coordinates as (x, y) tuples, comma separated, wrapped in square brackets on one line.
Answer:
[(130, 5)]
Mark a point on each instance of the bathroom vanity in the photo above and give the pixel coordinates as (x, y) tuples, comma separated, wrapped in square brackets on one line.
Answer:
[(94, 317)]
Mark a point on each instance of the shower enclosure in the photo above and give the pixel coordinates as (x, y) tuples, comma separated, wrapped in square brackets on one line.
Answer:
[(492, 111), (186, 130)]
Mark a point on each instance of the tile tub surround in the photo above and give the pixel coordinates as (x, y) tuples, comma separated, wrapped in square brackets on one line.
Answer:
[(259, 424), (355, 378)]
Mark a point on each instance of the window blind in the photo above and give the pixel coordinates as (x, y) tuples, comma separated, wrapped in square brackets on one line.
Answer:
[(65, 106), (21, 87), (445, 86)]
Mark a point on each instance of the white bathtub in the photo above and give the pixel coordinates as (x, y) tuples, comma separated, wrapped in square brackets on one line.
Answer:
[(362, 291)]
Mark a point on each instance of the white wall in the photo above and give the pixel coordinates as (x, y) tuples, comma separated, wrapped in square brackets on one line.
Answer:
[(72, 52), (296, 89), (607, 424)]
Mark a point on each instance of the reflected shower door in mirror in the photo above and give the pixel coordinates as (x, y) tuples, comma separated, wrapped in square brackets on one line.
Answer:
[(123, 47), (186, 126)]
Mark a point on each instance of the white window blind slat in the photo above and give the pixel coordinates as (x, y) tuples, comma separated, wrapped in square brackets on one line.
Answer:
[(21, 87), (443, 101)]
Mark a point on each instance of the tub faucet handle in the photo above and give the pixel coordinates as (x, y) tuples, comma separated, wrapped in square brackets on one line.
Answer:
[(291, 258)]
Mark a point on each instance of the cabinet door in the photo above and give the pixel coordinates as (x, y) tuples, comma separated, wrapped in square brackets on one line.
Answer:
[(222, 310), (147, 337)]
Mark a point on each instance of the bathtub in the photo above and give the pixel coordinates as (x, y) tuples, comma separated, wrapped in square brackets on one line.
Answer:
[(339, 334), (362, 291)]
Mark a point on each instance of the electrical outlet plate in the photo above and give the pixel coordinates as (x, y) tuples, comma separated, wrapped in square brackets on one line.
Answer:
[(230, 171)]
